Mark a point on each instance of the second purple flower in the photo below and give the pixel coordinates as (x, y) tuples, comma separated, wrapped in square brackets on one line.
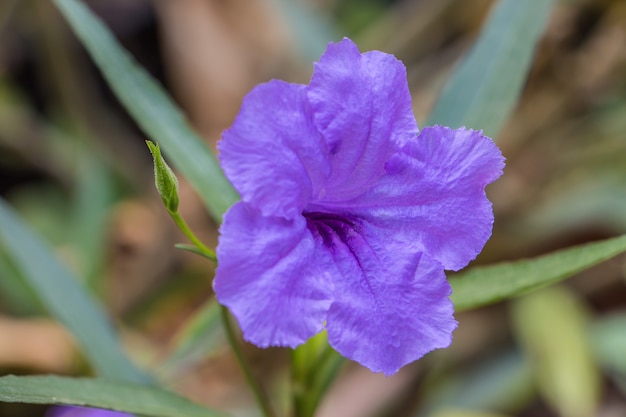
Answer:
[(349, 216)]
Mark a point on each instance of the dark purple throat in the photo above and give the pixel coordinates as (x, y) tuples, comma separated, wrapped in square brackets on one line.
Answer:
[(330, 226)]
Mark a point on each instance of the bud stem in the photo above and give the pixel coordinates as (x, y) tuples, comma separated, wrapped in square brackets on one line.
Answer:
[(182, 225)]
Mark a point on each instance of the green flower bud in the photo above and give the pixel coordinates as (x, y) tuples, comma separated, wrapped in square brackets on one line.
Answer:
[(164, 178)]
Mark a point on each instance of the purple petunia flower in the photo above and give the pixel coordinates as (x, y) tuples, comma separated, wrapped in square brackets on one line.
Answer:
[(74, 411), (349, 216)]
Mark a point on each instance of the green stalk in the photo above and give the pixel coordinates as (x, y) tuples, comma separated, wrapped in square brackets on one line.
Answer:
[(167, 184), (254, 385), (314, 367), (182, 225), (258, 392)]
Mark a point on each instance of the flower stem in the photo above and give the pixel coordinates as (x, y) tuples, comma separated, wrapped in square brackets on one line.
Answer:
[(182, 225), (314, 367), (258, 392)]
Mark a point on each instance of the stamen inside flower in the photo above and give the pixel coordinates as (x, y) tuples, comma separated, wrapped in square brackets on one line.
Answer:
[(329, 226)]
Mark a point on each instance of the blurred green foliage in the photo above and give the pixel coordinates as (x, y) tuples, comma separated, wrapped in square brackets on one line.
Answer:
[(72, 163)]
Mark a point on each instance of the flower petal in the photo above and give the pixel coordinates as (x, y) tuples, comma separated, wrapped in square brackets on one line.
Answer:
[(391, 305), (76, 411), (433, 194), (273, 154), (272, 277), (362, 106)]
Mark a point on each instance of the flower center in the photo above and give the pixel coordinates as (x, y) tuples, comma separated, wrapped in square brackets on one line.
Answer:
[(329, 226)]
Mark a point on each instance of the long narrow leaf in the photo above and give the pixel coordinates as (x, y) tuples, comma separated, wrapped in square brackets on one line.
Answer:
[(608, 341), (201, 335), (312, 31), (15, 294), (484, 285), (99, 393), (152, 109), (551, 326), (484, 89), (64, 298)]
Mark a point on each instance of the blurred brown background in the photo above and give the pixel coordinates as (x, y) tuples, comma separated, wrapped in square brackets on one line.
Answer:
[(75, 166)]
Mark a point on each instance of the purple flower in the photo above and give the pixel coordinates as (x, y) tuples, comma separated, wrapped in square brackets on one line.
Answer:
[(73, 411), (349, 216)]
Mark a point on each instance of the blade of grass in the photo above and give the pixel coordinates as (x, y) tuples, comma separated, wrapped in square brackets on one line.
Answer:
[(607, 335), (501, 381), (91, 207), (484, 89), (485, 285), (152, 109), (311, 30), (16, 296), (551, 326), (99, 393), (200, 336), (65, 299), (314, 367)]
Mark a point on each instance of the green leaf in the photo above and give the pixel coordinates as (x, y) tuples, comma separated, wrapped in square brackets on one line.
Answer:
[(64, 298), (484, 285), (194, 249), (152, 109), (90, 216), (201, 335), (16, 296), (608, 340), (552, 327), (502, 381), (315, 366), (484, 89), (465, 413), (312, 30), (99, 393)]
